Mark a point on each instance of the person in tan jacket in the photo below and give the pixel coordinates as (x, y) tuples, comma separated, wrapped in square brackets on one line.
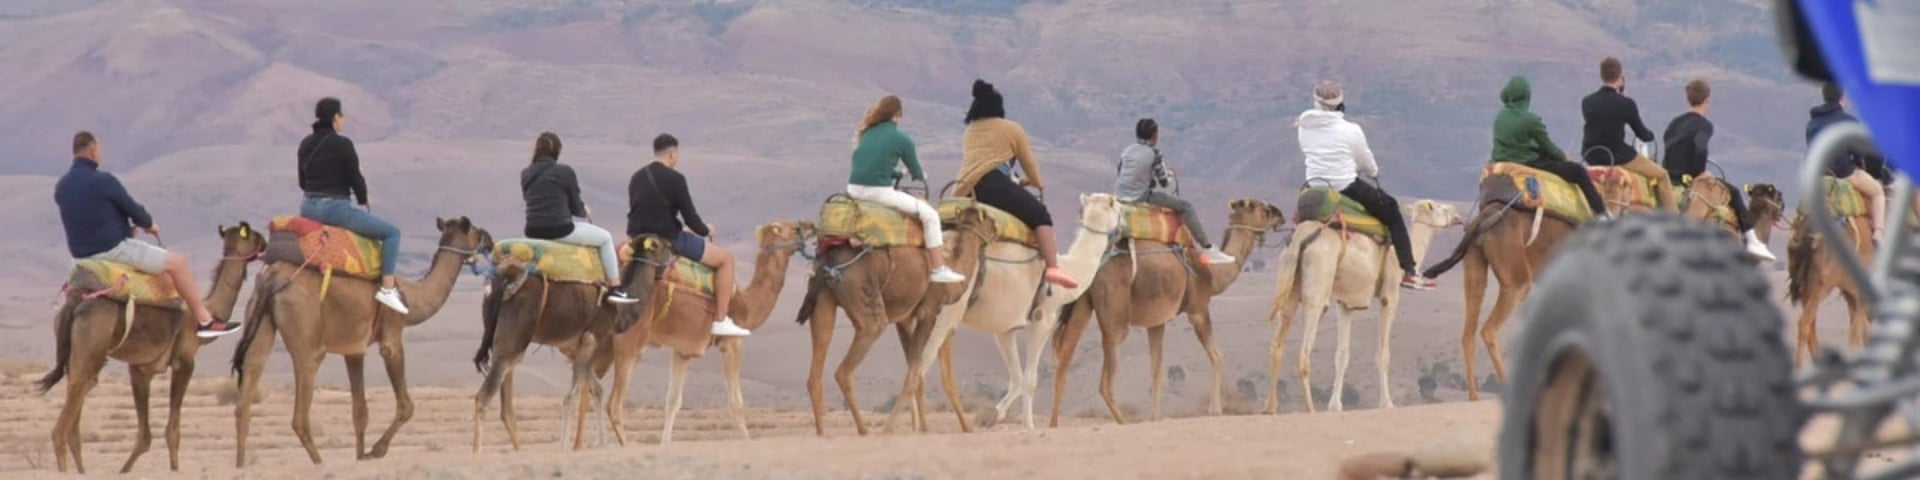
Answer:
[(990, 147)]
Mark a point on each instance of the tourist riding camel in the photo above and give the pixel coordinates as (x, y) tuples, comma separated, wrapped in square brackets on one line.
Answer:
[(882, 147), (1857, 170), (1337, 154), (1603, 143), (99, 217), (1686, 139), (1520, 136), (329, 174), (556, 212), (658, 202), (1143, 174), (991, 146)]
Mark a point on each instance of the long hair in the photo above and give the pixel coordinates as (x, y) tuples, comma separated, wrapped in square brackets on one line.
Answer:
[(884, 111), (547, 145)]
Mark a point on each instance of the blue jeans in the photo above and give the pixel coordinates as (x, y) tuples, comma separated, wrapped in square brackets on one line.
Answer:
[(341, 212)]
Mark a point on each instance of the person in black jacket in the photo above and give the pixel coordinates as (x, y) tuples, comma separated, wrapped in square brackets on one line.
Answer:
[(329, 172), (1686, 139), (99, 215), (658, 203), (1603, 142), (1855, 168), (556, 212)]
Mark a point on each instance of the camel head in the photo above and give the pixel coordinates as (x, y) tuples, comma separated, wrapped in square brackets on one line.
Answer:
[(647, 267), (1434, 214), (459, 235), (785, 236), (241, 242), (1765, 201), (1250, 213), (1099, 212)]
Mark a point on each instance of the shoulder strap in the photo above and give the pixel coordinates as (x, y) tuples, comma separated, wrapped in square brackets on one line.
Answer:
[(307, 157)]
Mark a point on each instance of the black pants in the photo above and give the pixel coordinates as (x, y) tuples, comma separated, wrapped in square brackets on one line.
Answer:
[(1384, 207), (998, 190), (1576, 174)]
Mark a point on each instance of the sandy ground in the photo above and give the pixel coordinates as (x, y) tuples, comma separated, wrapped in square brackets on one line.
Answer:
[(436, 443)]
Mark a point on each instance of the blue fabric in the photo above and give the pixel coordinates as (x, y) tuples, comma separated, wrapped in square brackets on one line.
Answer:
[(340, 212), (689, 245), (96, 210), (1890, 107)]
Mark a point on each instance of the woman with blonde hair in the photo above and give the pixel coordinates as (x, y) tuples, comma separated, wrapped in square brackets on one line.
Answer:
[(881, 147)]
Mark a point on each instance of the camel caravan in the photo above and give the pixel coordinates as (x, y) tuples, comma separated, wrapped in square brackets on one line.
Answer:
[(981, 256)]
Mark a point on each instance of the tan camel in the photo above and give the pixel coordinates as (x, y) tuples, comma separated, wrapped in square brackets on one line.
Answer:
[(156, 338), (1145, 286), (1624, 191), (1813, 273), (1005, 296), (879, 287), (681, 321), (346, 322), (1709, 199), (1766, 203), (1327, 264)]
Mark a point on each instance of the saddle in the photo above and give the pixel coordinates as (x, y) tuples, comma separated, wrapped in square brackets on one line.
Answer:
[(1010, 228), (122, 282), (869, 223), (1531, 189), (1842, 199), (1720, 212), (304, 241), (1153, 223), (682, 273), (1639, 187), (555, 261), (1327, 206)]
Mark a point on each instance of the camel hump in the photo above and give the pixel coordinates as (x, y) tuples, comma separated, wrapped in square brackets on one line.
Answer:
[(1530, 189), (869, 223), (304, 241), (1010, 228), (119, 281), (555, 261), (1154, 223), (1318, 203)]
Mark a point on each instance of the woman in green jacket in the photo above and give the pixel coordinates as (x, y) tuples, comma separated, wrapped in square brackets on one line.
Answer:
[(1520, 136), (882, 147)]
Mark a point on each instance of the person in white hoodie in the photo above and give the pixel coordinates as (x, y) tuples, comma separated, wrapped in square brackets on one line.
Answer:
[(1337, 156)]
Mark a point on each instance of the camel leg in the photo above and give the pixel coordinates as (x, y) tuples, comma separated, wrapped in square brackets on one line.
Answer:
[(1278, 350), (583, 382), (495, 382), (863, 338), (730, 352), (176, 398), (1315, 307), (357, 385), (1202, 321), (1016, 380), (1112, 334), (906, 399), (142, 383), (617, 398), (1389, 309), (305, 366), (1807, 343), (1342, 356), (821, 329), (1040, 332), (1475, 271), (83, 371), (936, 337), (1076, 326), (394, 355), (1856, 319), (953, 388), (676, 381), (1503, 306), (508, 417), (1156, 385), (255, 364)]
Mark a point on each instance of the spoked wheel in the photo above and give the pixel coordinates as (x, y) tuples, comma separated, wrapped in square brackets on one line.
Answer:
[(1651, 349)]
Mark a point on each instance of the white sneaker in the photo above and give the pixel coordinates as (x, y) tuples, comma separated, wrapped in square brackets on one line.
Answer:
[(726, 328), (1757, 248), (947, 275), (1213, 256), (391, 298)]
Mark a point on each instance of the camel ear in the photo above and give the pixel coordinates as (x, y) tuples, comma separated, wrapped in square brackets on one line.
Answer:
[(1747, 188), (778, 229), (222, 230), (439, 223), (465, 223)]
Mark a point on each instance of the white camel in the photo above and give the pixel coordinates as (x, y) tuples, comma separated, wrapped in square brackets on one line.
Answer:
[(1324, 264)]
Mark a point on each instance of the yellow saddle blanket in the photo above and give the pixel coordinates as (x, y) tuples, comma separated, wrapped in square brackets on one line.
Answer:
[(1011, 229), (1613, 179), (1153, 223), (1842, 199), (123, 282), (1328, 206), (303, 241), (1536, 189), (684, 272), (868, 223)]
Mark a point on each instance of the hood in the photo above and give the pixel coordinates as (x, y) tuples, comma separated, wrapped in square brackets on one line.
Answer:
[(1518, 93), (1825, 109), (1316, 118)]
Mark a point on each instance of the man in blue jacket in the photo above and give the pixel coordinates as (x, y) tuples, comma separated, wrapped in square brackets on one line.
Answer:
[(99, 217), (1855, 169)]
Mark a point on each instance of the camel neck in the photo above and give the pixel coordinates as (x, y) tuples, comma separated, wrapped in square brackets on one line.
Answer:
[(1419, 235), (1081, 260), (425, 296), (752, 306), (1239, 243), (228, 275)]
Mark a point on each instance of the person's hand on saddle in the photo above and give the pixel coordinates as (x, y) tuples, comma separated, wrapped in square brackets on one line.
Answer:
[(153, 229), (712, 232)]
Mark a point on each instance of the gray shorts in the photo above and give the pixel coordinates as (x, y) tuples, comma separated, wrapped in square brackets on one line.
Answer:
[(140, 255)]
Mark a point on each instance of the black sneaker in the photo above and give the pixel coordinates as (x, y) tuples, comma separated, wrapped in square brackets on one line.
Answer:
[(620, 296), (217, 328)]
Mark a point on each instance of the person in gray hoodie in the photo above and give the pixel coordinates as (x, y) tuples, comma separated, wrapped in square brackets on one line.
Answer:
[(1143, 173)]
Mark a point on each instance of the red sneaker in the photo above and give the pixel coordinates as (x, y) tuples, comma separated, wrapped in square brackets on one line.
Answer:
[(1059, 277)]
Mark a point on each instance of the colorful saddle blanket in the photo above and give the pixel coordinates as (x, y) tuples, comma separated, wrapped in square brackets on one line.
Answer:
[(1010, 228), (868, 223), (684, 273), (303, 241), (123, 282), (1640, 188), (1532, 189), (556, 261), (1326, 205), (1842, 199), (1153, 223), (1718, 214)]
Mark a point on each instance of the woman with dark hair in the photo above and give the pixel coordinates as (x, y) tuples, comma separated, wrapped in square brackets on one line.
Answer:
[(990, 148), (329, 174), (882, 146), (556, 212)]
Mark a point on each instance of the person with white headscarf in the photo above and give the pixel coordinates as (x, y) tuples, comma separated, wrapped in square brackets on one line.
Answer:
[(1337, 157)]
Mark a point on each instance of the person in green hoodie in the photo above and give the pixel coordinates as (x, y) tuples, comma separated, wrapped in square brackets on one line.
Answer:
[(1520, 136), (881, 147)]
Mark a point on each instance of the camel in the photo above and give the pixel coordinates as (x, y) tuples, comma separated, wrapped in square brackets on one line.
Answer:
[(1005, 296), (1813, 273), (1145, 285), (1329, 264), (1708, 198), (1766, 204), (345, 323), (680, 321), (152, 339), (878, 287)]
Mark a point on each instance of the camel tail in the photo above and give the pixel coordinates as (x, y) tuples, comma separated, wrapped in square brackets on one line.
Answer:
[(815, 284), (259, 312), (1490, 214), (1800, 260), (63, 338), (497, 291), (1060, 331)]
